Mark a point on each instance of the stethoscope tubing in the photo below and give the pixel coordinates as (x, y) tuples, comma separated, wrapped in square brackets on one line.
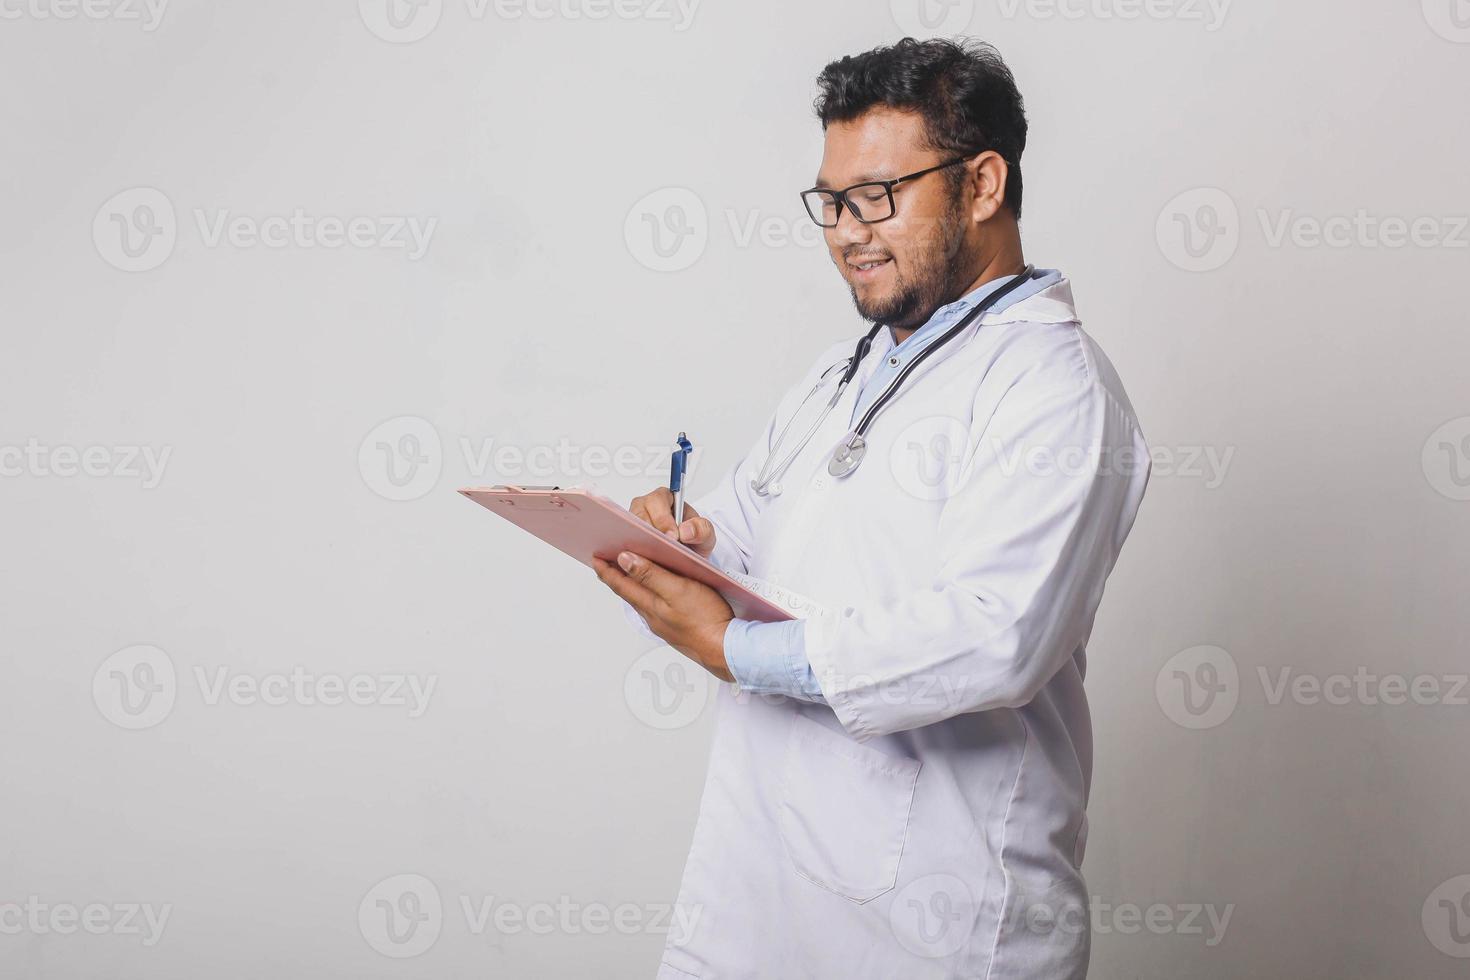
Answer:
[(764, 481), (980, 310)]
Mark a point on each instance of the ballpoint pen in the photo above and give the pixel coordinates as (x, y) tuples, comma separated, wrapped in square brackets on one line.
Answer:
[(677, 467)]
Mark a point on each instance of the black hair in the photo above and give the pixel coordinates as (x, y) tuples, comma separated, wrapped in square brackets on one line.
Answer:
[(962, 88)]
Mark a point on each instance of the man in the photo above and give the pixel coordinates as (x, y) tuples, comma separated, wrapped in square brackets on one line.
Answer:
[(898, 782)]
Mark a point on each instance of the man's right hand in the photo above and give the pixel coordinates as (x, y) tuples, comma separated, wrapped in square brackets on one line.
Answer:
[(657, 508)]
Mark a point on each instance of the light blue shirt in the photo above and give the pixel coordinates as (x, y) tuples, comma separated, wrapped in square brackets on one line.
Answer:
[(770, 658)]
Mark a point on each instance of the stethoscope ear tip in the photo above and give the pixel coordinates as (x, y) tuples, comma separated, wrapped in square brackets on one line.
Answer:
[(769, 489)]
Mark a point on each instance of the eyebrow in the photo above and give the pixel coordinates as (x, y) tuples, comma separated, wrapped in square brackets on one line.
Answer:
[(869, 177)]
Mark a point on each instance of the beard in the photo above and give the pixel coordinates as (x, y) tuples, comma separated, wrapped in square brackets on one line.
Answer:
[(938, 265)]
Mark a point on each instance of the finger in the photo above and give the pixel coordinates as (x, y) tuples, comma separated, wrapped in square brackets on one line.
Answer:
[(659, 498), (657, 508), (655, 579), (698, 533), (630, 590), (639, 509)]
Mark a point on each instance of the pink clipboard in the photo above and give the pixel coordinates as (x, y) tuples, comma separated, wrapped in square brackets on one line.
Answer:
[(585, 525)]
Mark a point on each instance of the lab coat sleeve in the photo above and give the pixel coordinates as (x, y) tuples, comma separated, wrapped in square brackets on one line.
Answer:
[(1025, 542)]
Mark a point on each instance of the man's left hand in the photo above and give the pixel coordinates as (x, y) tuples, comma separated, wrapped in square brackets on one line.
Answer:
[(687, 615)]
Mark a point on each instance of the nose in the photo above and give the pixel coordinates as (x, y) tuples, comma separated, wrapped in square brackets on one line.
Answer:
[(848, 231)]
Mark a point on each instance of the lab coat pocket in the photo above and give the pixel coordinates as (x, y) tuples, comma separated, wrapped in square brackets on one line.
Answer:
[(844, 811)]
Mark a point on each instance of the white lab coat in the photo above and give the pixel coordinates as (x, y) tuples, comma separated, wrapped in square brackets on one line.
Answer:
[(929, 821)]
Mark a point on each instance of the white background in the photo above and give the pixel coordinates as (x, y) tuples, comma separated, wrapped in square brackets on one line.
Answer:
[(1333, 542)]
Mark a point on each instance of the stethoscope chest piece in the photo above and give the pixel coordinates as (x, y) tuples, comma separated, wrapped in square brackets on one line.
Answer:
[(848, 454), (853, 447)]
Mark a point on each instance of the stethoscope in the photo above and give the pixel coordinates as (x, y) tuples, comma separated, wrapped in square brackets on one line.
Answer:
[(849, 453)]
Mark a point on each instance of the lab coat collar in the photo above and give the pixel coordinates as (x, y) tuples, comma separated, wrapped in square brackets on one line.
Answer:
[(1054, 304)]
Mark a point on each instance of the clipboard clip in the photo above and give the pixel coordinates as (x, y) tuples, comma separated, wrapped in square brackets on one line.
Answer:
[(534, 498)]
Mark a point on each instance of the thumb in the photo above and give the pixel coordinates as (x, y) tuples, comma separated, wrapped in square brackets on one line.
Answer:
[(652, 577), (698, 533)]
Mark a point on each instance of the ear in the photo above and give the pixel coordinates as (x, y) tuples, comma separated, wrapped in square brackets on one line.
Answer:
[(988, 174)]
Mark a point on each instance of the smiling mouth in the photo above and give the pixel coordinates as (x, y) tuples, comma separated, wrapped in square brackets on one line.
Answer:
[(868, 267)]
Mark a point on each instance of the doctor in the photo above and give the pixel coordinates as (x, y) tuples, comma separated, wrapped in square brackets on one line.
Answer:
[(899, 779)]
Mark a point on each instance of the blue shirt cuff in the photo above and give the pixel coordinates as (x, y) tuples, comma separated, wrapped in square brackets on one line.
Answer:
[(770, 658)]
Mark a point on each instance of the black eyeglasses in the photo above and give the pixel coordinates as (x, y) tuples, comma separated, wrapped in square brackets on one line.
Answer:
[(868, 202)]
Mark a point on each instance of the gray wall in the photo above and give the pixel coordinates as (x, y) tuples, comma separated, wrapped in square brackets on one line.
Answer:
[(230, 451)]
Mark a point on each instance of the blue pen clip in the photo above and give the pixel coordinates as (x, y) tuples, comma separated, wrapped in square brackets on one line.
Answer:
[(677, 467)]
